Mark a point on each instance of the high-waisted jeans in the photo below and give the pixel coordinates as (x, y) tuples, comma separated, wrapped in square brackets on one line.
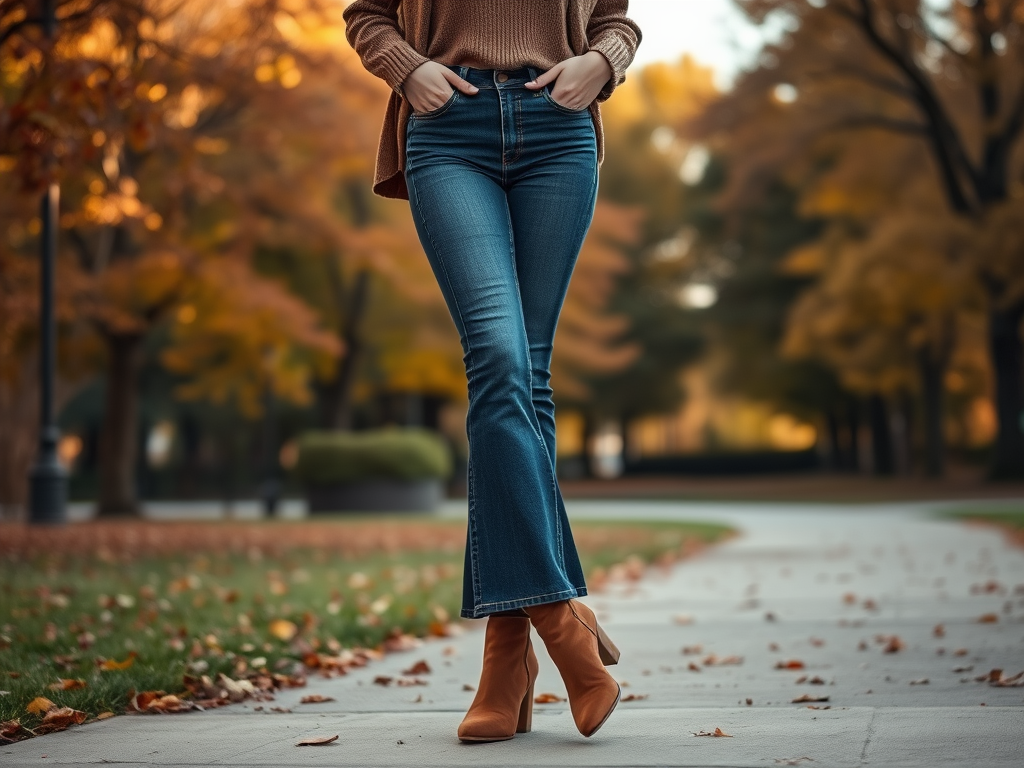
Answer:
[(502, 186)]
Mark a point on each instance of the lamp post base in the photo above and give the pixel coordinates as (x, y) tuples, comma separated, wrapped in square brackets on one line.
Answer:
[(48, 485)]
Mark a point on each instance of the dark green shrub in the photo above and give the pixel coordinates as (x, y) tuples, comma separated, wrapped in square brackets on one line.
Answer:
[(331, 458)]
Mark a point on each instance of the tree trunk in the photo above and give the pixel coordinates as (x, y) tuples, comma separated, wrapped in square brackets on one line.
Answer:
[(118, 440), (853, 442), (337, 393), (881, 436), (835, 447), (932, 370), (1007, 352)]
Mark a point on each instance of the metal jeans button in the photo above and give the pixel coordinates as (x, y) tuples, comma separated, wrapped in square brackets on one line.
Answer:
[(502, 77)]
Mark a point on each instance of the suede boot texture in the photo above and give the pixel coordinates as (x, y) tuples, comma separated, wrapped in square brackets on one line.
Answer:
[(580, 649), (503, 705)]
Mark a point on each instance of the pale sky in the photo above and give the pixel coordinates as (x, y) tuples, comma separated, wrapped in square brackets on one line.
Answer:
[(713, 31)]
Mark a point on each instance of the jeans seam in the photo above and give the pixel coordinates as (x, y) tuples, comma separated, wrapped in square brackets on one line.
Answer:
[(474, 548)]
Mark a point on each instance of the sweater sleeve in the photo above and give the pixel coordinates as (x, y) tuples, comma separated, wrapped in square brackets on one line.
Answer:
[(616, 37), (371, 27)]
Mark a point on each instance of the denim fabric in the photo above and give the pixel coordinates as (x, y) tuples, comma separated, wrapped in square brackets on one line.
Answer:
[(502, 186)]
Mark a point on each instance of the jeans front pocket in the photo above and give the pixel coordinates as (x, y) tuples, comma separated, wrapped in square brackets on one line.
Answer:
[(440, 110), (546, 92)]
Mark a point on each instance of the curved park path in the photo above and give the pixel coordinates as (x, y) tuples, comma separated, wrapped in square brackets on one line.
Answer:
[(853, 593)]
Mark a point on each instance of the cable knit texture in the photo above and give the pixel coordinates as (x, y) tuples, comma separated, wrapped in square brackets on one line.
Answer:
[(394, 37)]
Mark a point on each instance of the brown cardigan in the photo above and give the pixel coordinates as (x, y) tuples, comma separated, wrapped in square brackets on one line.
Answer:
[(391, 37)]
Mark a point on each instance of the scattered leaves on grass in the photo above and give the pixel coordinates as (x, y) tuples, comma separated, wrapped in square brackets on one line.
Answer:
[(547, 698), (316, 741), (789, 664), (634, 697), (419, 668), (809, 698), (718, 733), (315, 698)]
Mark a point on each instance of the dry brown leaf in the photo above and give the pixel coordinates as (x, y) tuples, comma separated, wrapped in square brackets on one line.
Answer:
[(66, 684), (316, 741), (817, 642), (718, 732), (960, 652), (789, 664), (419, 668), (691, 650), (409, 682), (939, 631), (39, 705), (547, 698), (988, 618), (59, 718), (468, 687), (283, 629), (920, 681), (815, 706), (315, 698), (109, 665), (894, 645), (808, 698), (634, 697), (383, 680), (849, 598), (792, 760)]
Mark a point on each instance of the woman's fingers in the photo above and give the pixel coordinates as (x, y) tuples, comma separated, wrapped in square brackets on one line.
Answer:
[(548, 77), (458, 83)]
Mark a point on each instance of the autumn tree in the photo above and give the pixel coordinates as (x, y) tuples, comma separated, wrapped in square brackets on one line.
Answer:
[(947, 80), (182, 139)]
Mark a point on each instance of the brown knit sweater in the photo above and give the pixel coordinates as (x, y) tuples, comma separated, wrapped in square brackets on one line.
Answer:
[(393, 37)]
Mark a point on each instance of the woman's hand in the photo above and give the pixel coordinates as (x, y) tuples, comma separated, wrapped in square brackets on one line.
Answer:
[(431, 84), (578, 80)]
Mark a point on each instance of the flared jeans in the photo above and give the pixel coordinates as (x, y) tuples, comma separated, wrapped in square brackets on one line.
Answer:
[(502, 186)]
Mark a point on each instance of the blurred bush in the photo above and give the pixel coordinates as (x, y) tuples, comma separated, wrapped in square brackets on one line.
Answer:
[(330, 458)]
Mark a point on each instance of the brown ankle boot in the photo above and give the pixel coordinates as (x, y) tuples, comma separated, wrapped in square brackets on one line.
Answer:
[(580, 649), (503, 705)]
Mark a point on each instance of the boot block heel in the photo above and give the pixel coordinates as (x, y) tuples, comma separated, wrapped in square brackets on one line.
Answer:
[(606, 649), (526, 713)]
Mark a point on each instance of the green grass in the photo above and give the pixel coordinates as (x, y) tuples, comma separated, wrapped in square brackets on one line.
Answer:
[(204, 596), (1008, 517)]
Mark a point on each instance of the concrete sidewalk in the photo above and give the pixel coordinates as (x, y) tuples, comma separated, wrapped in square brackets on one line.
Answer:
[(829, 586)]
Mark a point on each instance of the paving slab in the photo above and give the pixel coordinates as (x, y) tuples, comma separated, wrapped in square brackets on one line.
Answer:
[(828, 586)]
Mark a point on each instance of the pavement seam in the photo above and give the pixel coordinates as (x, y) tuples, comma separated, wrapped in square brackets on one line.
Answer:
[(867, 741)]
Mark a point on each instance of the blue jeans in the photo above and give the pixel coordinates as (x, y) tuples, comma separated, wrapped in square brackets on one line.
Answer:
[(502, 186)]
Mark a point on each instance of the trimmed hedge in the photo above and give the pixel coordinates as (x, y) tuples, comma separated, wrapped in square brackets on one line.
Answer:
[(334, 458)]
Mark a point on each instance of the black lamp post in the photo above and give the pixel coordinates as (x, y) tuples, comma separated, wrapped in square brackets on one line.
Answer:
[(48, 479)]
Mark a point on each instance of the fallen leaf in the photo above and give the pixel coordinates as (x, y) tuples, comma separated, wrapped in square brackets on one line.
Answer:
[(792, 760), (419, 668), (691, 650), (939, 631), (815, 706), (59, 718), (789, 664), (468, 687), (808, 697), (383, 680), (960, 652), (315, 741), (683, 619), (634, 697), (920, 681), (988, 618), (750, 702), (409, 682), (817, 642), (849, 598), (39, 705), (283, 629), (773, 647), (109, 665), (547, 698), (315, 698), (718, 732), (894, 645)]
